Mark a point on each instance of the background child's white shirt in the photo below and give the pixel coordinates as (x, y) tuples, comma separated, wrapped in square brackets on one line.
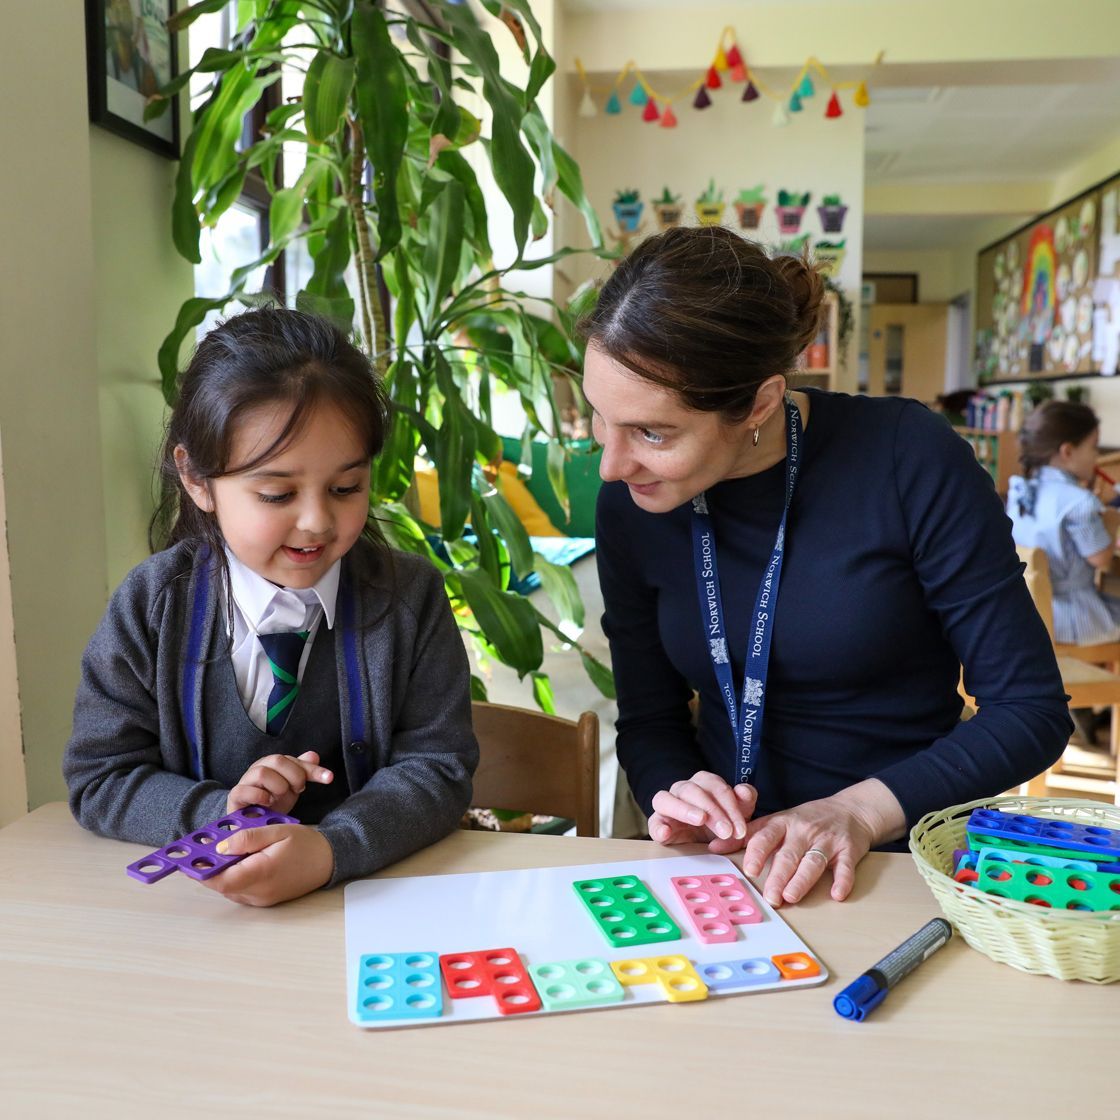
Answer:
[(260, 607)]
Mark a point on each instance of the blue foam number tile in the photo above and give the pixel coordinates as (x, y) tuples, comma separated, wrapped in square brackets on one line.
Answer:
[(399, 986), (1040, 830), (720, 975)]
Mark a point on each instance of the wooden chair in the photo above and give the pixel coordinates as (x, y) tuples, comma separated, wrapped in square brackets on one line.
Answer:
[(1089, 673), (539, 763)]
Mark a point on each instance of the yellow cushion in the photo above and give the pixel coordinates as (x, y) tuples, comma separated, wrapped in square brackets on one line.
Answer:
[(523, 504)]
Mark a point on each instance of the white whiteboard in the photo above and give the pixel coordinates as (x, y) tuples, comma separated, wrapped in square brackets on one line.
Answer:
[(538, 913)]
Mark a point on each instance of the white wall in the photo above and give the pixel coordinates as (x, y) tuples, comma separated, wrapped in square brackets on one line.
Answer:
[(48, 387), (736, 144)]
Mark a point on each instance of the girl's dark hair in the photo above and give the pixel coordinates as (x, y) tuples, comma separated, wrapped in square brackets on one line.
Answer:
[(1048, 427), (271, 356), (708, 314)]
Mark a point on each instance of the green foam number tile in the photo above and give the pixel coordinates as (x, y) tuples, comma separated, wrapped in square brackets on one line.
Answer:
[(566, 985), (1057, 888), (978, 840), (626, 911)]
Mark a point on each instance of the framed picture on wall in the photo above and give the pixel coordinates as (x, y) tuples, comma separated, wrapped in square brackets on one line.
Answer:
[(130, 54)]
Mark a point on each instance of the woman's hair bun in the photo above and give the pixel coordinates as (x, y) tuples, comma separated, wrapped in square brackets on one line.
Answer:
[(807, 287)]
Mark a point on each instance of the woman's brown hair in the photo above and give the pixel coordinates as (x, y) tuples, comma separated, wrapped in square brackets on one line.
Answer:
[(1048, 427), (708, 314)]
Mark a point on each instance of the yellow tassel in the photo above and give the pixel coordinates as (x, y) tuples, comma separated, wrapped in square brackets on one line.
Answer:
[(721, 60), (861, 98)]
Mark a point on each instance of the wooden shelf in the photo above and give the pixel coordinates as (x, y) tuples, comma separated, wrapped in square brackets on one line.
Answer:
[(822, 352), (998, 453)]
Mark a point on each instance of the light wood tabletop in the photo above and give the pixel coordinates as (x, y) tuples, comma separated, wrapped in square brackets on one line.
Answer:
[(122, 1000)]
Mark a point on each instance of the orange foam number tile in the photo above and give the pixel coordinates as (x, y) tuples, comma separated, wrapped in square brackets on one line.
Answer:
[(796, 966)]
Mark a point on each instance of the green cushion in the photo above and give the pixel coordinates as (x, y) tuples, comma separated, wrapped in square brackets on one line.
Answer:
[(582, 474)]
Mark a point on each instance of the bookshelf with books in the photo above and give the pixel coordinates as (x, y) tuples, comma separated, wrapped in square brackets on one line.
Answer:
[(819, 362), (997, 453)]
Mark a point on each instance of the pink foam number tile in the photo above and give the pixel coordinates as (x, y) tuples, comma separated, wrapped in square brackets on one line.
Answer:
[(195, 855), (716, 904), (490, 972)]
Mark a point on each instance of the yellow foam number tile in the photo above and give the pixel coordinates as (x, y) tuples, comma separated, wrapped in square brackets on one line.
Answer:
[(678, 980)]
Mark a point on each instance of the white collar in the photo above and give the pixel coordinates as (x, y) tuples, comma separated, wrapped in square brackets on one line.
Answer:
[(259, 600)]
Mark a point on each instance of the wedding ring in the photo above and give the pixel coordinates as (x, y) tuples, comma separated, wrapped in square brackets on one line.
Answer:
[(816, 852)]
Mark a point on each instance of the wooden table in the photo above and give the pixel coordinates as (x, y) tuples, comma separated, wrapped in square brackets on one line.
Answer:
[(120, 1000)]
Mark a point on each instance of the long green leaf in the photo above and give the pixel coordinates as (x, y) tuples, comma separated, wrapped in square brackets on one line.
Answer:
[(542, 693), (181, 20), (560, 586), (190, 315), (555, 460), (444, 246), (512, 531), (393, 468), (512, 164), (326, 292), (507, 619), (326, 90), (601, 677), (454, 456), (382, 96), (185, 227)]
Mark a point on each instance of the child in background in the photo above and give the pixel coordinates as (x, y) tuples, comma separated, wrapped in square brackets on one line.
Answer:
[(275, 584), (1052, 507)]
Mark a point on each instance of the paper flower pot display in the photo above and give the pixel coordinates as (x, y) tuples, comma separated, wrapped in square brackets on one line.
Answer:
[(749, 206), (668, 209), (710, 206), (790, 210), (628, 208), (794, 247), (832, 211), (829, 256)]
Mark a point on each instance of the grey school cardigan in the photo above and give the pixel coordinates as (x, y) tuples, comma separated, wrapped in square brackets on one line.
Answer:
[(137, 762)]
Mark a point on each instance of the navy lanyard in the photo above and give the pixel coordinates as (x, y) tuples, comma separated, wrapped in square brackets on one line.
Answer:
[(746, 721)]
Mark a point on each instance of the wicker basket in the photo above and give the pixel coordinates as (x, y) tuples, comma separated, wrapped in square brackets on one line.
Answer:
[(1068, 944)]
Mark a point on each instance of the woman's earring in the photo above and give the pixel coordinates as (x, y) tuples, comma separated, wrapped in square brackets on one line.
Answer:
[(754, 439)]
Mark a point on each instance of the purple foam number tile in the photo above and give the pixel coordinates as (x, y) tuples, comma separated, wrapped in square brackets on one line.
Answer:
[(196, 853), (150, 869)]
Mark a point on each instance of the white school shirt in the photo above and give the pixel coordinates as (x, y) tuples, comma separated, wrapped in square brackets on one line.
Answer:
[(260, 607)]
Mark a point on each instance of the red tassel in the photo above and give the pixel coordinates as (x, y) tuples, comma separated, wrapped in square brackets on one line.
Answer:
[(650, 113), (713, 81), (750, 93), (702, 99), (834, 109), (734, 58), (668, 118), (738, 73)]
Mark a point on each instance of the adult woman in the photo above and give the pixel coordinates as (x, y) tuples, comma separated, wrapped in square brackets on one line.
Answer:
[(884, 537), (1052, 508)]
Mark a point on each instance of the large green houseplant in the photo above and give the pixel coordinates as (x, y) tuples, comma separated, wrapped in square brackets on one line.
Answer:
[(388, 197)]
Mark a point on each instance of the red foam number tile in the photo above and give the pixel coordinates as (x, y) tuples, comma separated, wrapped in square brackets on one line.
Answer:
[(490, 972)]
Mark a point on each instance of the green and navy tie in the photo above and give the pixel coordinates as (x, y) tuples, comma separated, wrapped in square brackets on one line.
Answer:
[(284, 652)]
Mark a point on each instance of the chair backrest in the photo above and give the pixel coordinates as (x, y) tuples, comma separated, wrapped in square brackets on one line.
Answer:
[(1037, 576), (538, 763)]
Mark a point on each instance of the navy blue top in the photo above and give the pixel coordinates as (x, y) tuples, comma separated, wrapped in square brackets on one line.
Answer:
[(899, 568)]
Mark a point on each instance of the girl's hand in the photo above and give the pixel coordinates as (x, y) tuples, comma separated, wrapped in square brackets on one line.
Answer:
[(702, 810), (286, 861), (276, 781), (835, 832)]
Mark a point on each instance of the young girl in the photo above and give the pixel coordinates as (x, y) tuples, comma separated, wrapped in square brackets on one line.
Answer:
[(1053, 508), (275, 652)]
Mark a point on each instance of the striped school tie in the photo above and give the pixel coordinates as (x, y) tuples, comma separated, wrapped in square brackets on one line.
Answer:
[(283, 652)]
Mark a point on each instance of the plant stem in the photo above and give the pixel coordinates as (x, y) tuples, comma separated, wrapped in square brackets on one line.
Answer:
[(361, 233)]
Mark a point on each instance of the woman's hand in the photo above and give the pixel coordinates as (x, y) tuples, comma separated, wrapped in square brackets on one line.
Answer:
[(702, 810), (276, 782), (283, 861), (835, 832)]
